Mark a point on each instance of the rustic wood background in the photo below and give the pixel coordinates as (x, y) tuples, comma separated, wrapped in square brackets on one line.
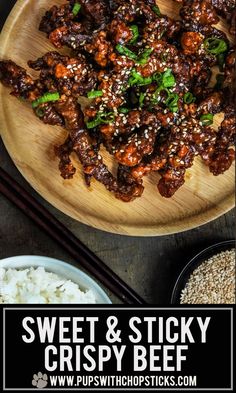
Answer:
[(150, 265)]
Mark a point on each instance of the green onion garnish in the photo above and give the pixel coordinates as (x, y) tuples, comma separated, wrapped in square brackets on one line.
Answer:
[(124, 110), (137, 79), (172, 102), (95, 94), (145, 81), (125, 51), (143, 59), (162, 33), (94, 123), (189, 98), (107, 117), (174, 108), (76, 9), (157, 93), (156, 9), (164, 82), (219, 81), (40, 112), (168, 79), (206, 119), (102, 118), (141, 99), (47, 97), (215, 46), (135, 33), (134, 78), (157, 78)]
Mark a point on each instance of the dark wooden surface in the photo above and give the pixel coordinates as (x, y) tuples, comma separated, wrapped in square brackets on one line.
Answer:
[(150, 265)]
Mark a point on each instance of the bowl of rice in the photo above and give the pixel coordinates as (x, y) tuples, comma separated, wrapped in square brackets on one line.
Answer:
[(209, 278), (42, 280)]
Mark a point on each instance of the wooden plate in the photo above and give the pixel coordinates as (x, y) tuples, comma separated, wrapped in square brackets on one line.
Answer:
[(30, 143)]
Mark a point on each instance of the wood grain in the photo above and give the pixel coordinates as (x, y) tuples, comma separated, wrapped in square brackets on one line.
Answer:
[(31, 146)]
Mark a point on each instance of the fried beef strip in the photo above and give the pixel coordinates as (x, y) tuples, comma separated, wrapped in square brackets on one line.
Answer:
[(223, 155), (24, 87), (15, 77), (56, 17), (200, 11), (93, 13), (64, 152), (229, 84), (68, 75), (79, 139), (91, 161), (223, 8)]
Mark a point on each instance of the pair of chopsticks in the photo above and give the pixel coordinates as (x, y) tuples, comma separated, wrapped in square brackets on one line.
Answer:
[(54, 228)]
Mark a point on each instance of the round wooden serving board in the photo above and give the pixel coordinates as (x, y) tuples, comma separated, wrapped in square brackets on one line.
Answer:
[(30, 143)]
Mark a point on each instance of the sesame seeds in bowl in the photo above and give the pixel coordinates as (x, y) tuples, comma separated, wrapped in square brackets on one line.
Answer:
[(209, 278)]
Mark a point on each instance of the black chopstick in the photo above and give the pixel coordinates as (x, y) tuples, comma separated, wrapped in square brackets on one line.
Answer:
[(15, 193)]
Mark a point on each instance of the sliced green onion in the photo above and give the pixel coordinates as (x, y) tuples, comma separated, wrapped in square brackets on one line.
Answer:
[(174, 109), (172, 99), (40, 112), (154, 102), (168, 79), (123, 50), (172, 102), (123, 110), (162, 33), (206, 119), (141, 99), (215, 46), (137, 79), (157, 78), (94, 123), (47, 97), (134, 78), (76, 9), (157, 93), (219, 81), (164, 81), (135, 33), (101, 118), (95, 94), (189, 98), (156, 96), (145, 81), (143, 59), (156, 9), (221, 61), (107, 117)]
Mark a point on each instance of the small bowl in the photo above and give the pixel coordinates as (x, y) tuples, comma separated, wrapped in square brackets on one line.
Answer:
[(63, 269), (194, 263)]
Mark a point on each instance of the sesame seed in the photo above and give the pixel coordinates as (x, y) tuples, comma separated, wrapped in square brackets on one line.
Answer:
[(212, 282)]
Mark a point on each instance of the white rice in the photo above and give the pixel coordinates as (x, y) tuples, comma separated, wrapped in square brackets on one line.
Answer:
[(36, 286)]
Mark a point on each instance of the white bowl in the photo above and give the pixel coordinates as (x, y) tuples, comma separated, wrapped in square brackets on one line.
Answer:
[(63, 269)]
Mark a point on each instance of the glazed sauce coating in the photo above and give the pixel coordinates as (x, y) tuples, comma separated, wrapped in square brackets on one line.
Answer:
[(147, 80)]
